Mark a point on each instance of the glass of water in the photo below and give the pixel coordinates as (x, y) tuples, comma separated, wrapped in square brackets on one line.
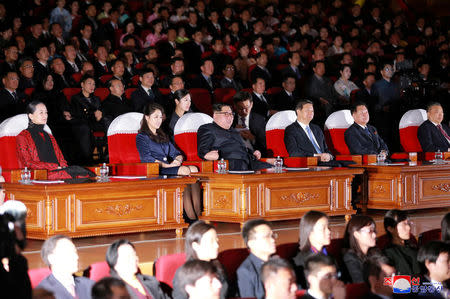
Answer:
[(278, 164), (438, 156), (25, 175), (381, 157)]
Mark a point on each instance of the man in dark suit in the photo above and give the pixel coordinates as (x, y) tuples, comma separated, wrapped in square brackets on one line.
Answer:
[(176, 69), (41, 68), (115, 104), (365, 94), (218, 140), (146, 92), (362, 138), (56, 37), (294, 66), (375, 269), (321, 274), (260, 70), (26, 74), (260, 98), (61, 255), (193, 51), (86, 42), (61, 79), (303, 139), (434, 135), (251, 126), (229, 80), (12, 101), (259, 239), (107, 30), (118, 72), (72, 63), (205, 79), (100, 65), (278, 279), (287, 98), (10, 63)]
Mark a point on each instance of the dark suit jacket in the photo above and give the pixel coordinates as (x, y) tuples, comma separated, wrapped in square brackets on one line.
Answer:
[(259, 72), (248, 278), (282, 101), (200, 82), (354, 267), (6, 67), (192, 54), (321, 89), (297, 141), (83, 287), (65, 82), (431, 139), (114, 106), (257, 126), (359, 143), (150, 284), (40, 72), (140, 98), (404, 259), (84, 110), (99, 69), (69, 69), (260, 106), (235, 84), (9, 106), (289, 71)]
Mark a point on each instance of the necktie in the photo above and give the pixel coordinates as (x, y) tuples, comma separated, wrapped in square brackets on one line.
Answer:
[(243, 122), (443, 132), (105, 68), (75, 67), (263, 99), (311, 138), (150, 93), (14, 94), (366, 129), (210, 82)]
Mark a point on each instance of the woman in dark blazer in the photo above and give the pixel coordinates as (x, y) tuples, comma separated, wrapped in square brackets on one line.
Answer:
[(399, 249), (154, 145)]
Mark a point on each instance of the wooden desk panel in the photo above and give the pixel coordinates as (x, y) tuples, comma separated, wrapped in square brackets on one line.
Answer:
[(89, 209), (236, 198), (424, 185)]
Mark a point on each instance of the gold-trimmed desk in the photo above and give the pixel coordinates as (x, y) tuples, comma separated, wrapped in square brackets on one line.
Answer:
[(94, 208), (236, 198), (407, 186)]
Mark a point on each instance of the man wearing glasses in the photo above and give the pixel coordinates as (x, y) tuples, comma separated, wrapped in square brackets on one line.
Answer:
[(218, 140), (260, 240)]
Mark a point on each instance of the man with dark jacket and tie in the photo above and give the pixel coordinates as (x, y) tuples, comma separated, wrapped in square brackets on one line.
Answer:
[(260, 98), (205, 79), (229, 80), (115, 104), (286, 99), (433, 135), (218, 140), (41, 68), (146, 92), (362, 138), (303, 139), (293, 67), (260, 69), (12, 101), (250, 125)]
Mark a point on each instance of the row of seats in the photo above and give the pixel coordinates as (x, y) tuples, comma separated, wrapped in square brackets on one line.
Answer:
[(165, 267)]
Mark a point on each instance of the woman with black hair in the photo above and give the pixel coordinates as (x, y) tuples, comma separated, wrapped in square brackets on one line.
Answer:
[(445, 228), (154, 145), (183, 102), (124, 264), (399, 249), (359, 241)]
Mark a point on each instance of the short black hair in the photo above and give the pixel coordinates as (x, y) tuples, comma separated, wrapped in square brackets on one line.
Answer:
[(430, 252), (315, 63), (355, 106), (146, 70), (218, 107), (242, 96), (432, 104), (86, 77), (175, 59), (174, 77), (287, 76), (255, 79), (291, 54), (366, 75), (314, 262), (190, 272), (112, 253), (204, 60), (248, 230), (302, 103), (102, 288), (392, 218), (372, 265), (273, 265)]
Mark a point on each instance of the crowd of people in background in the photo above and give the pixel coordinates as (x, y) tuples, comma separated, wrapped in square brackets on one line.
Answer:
[(333, 53)]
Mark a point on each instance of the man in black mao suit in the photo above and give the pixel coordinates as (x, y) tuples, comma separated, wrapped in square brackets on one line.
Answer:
[(250, 125), (433, 135), (218, 140), (115, 104), (61, 255), (146, 92), (303, 139), (286, 99), (12, 101), (260, 69), (362, 138), (260, 98)]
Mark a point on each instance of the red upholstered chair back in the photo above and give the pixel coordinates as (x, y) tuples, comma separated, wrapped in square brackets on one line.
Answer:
[(185, 132), (287, 251), (201, 99), (9, 129), (122, 138), (275, 132), (231, 259), (430, 235), (98, 270), (167, 265), (37, 275), (409, 123), (335, 127), (224, 95), (356, 290)]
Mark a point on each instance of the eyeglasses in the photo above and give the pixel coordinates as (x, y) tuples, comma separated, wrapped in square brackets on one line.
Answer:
[(269, 236), (368, 230), (28, 66), (227, 114), (332, 275), (230, 68)]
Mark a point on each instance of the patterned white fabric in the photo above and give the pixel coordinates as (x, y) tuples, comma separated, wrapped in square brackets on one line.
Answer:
[(14, 125), (190, 122), (128, 123), (341, 119), (413, 118), (281, 120)]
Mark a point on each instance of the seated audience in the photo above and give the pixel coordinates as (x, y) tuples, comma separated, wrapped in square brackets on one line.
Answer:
[(260, 70), (116, 103), (205, 79), (41, 68), (100, 63), (26, 74), (375, 269), (278, 279), (110, 288), (176, 69), (217, 140), (365, 94), (37, 149), (343, 85), (154, 145), (229, 79), (198, 280), (293, 69), (362, 138), (322, 278), (359, 241), (60, 254), (250, 125), (314, 236), (146, 92), (260, 98), (433, 134), (12, 101), (73, 64), (260, 240), (287, 98), (183, 102), (201, 243), (124, 264), (399, 249), (61, 78), (303, 139), (434, 261), (445, 228)]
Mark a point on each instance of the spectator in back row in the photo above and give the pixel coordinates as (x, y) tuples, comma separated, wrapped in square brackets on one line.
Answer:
[(434, 261), (146, 92), (116, 103), (375, 270), (12, 101), (110, 288), (278, 279), (205, 79)]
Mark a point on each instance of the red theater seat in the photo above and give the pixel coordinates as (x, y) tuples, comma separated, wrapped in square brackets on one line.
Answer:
[(224, 95), (201, 99), (356, 290), (167, 265), (69, 92), (275, 132), (288, 250), (37, 275), (335, 126), (101, 92), (128, 92), (431, 235), (409, 123), (98, 271), (231, 259)]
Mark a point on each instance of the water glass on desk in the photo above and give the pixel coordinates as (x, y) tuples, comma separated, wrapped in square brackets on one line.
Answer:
[(381, 157), (278, 164), (438, 157), (25, 176), (104, 171), (222, 166)]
